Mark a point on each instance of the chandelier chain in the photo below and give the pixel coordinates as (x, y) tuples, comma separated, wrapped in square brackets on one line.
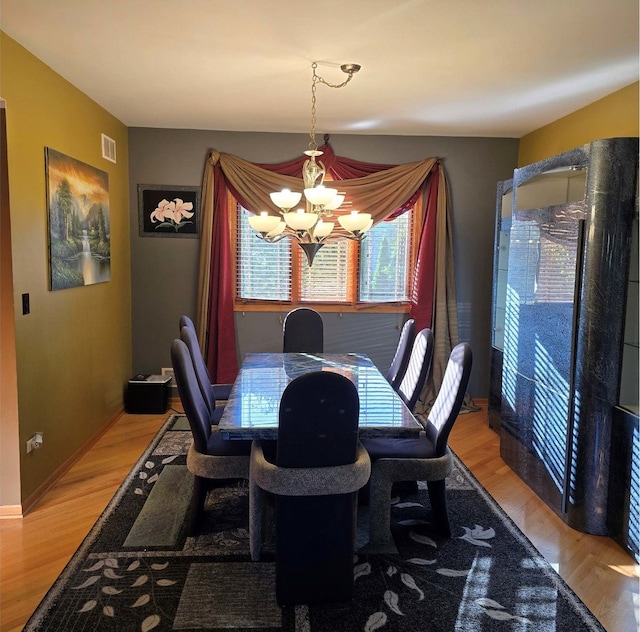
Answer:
[(312, 144), (315, 81), (307, 226)]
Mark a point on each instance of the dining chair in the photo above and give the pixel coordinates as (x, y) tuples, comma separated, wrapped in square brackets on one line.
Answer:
[(221, 391), (209, 457), (417, 371), (188, 336), (398, 365), (427, 458), (315, 473), (303, 331)]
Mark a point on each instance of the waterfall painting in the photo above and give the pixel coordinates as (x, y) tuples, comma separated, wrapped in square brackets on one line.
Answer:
[(79, 226)]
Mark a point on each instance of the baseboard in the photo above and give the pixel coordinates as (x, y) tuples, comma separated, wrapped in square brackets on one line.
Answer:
[(10, 511), (30, 502)]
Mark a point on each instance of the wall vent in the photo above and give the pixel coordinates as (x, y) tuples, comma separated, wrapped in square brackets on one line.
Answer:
[(108, 148)]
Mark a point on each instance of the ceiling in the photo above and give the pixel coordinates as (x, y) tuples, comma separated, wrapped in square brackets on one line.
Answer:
[(429, 67)]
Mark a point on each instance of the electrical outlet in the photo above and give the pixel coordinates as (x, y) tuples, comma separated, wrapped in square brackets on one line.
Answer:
[(35, 442)]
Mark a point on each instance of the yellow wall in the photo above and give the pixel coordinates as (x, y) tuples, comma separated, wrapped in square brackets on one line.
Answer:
[(616, 115), (74, 348), (9, 431)]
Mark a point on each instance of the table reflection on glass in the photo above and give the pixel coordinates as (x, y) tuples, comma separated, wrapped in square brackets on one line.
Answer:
[(252, 409)]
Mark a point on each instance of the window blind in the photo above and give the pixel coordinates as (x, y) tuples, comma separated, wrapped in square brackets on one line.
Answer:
[(327, 279), (384, 261), (263, 269), (280, 272)]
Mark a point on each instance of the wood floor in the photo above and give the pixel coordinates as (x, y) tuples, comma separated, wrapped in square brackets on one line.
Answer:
[(35, 549)]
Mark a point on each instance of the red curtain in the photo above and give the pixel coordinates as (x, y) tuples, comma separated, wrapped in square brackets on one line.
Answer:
[(222, 358), (421, 309)]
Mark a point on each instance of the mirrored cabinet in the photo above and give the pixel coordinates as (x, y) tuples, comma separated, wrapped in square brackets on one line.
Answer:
[(504, 200), (564, 347)]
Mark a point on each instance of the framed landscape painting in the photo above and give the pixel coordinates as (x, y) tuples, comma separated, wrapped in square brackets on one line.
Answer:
[(79, 226), (168, 211)]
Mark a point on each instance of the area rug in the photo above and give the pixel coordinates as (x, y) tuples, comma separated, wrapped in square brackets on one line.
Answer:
[(138, 570)]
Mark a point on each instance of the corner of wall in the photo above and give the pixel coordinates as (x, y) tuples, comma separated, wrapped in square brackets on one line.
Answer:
[(615, 115)]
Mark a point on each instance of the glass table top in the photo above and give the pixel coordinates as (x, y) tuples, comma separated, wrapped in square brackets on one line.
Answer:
[(252, 409)]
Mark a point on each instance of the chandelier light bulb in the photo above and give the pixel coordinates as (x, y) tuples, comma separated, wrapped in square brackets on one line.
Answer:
[(322, 229), (335, 203), (285, 199), (264, 223), (356, 222), (320, 195), (278, 230), (299, 220)]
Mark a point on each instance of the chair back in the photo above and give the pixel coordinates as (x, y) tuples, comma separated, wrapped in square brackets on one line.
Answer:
[(303, 331), (418, 367), (448, 402), (185, 321), (318, 422), (400, 360), (188, 336), (193, 402)]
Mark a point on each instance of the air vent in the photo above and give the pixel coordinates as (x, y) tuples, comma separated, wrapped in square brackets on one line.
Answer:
[(108, 148)]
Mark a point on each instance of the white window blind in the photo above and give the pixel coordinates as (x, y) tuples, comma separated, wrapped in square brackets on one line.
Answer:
[(379, 272), (263, 269), (557, 260), (327, 279), (384, 261)]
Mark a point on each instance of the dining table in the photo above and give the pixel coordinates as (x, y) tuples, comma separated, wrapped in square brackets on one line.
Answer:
[(252, 410)]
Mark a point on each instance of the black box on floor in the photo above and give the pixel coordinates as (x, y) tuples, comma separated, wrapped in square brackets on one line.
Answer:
[(148, 394)]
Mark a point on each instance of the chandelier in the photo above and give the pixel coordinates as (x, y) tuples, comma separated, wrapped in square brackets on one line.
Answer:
[(307, 225)]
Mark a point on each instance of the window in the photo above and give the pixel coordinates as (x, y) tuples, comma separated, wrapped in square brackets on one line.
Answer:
[(263, 270), (376, 270), (385, 261)]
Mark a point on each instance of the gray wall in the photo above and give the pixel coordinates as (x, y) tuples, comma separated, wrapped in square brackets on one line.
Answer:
[(164, 271)]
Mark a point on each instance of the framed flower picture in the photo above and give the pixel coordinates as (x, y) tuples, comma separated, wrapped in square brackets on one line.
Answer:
[(168, 211)]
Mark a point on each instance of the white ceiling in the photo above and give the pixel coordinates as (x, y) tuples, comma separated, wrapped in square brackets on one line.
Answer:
[(429, 67)]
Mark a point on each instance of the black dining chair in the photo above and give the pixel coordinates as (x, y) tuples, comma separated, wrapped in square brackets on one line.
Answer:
[(209, 457), (221, 392), (188, 336), (303, 331), (417, 371), (398, 365), (315, 473), (427, 458)]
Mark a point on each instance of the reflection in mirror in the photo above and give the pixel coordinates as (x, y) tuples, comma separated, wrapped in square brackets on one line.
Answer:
[(553, 187), (630, 358)]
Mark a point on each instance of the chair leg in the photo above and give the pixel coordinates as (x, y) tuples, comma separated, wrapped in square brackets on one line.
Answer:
[(256, 511), (379, 510), (438, 498)]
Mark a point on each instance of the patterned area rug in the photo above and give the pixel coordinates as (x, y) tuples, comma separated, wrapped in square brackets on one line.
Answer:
[(137, 570)]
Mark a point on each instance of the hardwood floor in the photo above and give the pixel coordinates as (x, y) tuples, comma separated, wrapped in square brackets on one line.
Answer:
[(35, 549), (598, 570)]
